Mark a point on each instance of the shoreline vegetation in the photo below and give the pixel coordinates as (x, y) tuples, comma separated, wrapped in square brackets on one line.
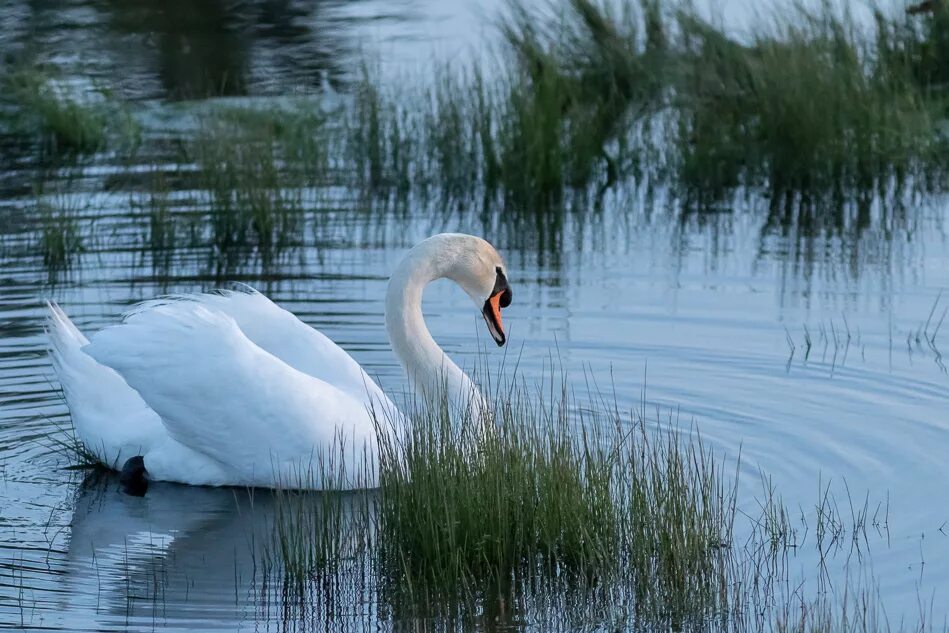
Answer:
[(813, 111)]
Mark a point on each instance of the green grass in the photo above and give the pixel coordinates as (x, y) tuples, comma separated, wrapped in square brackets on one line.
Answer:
[(66, 122), (585, 98), (59, 236), (539, 503), (565, 514), (253, 194), (808, 105), (810, 112)]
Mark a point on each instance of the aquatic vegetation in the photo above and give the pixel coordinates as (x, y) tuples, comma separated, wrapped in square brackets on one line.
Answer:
[(810, 103), (59, 236), (69, 123), (381, 133), (805, 106), (578, 514), (252, 200), (155, 206), (593, 98), (468, 504), (811, 116), (540, 502), (919, 41), (300, 131), (583, 83), (68, 446)]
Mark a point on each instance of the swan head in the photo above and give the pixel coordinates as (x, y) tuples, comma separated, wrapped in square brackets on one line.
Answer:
[(477, 267)]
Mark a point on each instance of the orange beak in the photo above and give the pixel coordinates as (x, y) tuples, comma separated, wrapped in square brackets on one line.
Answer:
[(492, 316)]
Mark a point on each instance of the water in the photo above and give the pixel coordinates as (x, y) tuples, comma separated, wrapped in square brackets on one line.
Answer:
[(705, 316)]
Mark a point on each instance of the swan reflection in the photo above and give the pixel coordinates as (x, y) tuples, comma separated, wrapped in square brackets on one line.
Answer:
[(195, 558)]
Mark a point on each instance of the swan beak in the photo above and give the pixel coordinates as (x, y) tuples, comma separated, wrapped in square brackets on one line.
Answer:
[(492, 316)]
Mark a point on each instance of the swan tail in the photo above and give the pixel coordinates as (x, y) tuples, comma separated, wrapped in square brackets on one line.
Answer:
[(109, 418), (65, 338)]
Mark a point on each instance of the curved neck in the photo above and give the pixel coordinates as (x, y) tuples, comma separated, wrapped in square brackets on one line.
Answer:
[(431, 373)]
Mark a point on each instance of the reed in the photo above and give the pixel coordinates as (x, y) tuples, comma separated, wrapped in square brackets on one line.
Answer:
[(66, 122), (253, 200), (59, 235), (807, 105), (539, 502)]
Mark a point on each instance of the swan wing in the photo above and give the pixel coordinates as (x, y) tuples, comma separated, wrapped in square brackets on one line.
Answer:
[(109, 417), (220, 394), (282, 334)]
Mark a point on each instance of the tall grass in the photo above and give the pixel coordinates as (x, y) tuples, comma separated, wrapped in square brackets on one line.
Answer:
[(59, 235), (462, 503), (253, 195), (68, 122), (586, 97), (542, 500), (808, 104), (812, 110), (582, 81), (559, 513)]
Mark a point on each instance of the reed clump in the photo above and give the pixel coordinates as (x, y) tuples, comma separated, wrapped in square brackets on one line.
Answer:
[(570, 110), (538, 502), (810, 104), (67, 122), (587, 97), (544, 509), (254, 196), (59, 236)]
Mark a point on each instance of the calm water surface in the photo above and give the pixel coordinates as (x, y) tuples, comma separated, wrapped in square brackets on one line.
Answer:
[(706, 316)]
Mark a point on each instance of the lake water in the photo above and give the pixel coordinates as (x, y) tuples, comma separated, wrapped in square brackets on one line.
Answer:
[(705, 315)]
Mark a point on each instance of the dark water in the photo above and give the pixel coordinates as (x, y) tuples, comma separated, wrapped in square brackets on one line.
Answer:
[(707, 314)]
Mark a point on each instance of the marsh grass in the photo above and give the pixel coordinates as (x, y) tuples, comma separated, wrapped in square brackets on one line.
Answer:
[(67, 445), (154, 206), (584, 98), (549, 498), (810, 103), (819, 118), (59, 233), (301, 133), (68, 123), (253, 199), (468, 504), (565, 515), (583, 82), (382, 135)]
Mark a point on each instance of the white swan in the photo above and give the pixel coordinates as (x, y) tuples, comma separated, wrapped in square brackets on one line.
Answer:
[(230, 389)]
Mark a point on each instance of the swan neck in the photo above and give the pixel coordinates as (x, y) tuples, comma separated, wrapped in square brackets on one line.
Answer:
[(430, 371)]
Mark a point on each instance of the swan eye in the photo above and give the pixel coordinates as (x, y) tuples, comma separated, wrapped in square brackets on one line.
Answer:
[(501, 287), (506, 298)]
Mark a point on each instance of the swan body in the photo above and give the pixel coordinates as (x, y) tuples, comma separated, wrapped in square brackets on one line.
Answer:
[(230, 389)]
